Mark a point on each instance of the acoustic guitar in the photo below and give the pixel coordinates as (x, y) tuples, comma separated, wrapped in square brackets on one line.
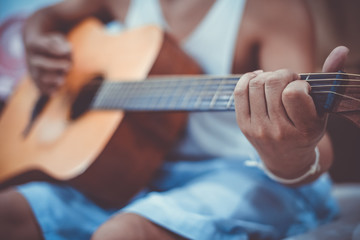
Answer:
[(72, 137)]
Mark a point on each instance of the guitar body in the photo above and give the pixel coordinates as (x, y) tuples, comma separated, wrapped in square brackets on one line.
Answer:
[(108, 155)]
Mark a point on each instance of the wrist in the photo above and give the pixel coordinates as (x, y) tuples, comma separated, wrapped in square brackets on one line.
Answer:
[(292, 165), (295, 177)]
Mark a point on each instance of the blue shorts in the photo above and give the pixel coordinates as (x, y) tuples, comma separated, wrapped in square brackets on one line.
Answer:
[(212, 199)]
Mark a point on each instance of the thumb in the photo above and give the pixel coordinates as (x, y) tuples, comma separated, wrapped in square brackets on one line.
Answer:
[(336, 59)]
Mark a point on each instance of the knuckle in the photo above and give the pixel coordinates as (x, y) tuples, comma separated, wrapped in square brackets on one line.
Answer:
[(240, 91), (286, 73), (279, 78), (307, 133), (291, 94), (248, 75), (273, 81), (310, 131), (38, 61), (260, 133), (279, 134), (257, 82)]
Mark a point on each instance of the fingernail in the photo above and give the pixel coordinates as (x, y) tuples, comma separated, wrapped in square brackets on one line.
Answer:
[(258, 71), (251, 75), (308, 89)]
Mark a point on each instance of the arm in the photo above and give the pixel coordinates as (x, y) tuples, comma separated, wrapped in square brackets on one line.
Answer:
[(48, 52), (274, 110)]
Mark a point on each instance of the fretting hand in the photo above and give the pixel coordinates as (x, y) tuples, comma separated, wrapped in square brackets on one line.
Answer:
[(278, 116)]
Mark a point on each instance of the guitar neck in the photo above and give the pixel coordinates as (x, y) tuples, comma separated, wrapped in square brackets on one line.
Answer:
[(331, 92)]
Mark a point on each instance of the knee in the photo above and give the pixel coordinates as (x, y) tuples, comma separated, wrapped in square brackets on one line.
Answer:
[(131, 226), (16, 218), (121, 226)]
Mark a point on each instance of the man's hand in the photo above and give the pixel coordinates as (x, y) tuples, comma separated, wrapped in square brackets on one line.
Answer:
[(278, 116), (49, 60)]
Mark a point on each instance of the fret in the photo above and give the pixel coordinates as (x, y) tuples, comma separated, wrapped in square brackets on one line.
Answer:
[(171, 103), (216, 95), (201, 89), (189, 98), (230, 101)]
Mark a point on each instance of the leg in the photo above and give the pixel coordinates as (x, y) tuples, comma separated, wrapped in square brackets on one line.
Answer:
[(229, 200), (132, 226), (62, 212), (17, 220)]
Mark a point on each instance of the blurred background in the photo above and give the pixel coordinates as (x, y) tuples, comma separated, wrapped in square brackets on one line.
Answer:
[(13, 14), (335, 22), (338, 23)]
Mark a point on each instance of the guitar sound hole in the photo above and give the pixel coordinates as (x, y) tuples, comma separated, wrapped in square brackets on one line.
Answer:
[(83, 100)]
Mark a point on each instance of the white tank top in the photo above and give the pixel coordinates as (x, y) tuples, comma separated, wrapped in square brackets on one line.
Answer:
[(211, 44)]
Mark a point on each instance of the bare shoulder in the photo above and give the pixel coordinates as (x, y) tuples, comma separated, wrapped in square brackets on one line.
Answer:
[(274, 26)]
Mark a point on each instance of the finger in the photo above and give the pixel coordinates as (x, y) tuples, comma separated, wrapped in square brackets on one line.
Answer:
[(336, 59), (54, 45), (241, 98), (49, 64), (257, 100), (50, 82), (299, 105), (274, 86)]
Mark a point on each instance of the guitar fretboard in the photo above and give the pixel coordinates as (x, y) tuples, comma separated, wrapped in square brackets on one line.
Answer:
[(155, 94)]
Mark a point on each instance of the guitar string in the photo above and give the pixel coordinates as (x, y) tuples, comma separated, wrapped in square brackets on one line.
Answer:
[(336, 93), (334, 85), (221, 103), (227, 80), (331, 73), (146, 86), (204, 93), (204, 105), (213, 82)]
